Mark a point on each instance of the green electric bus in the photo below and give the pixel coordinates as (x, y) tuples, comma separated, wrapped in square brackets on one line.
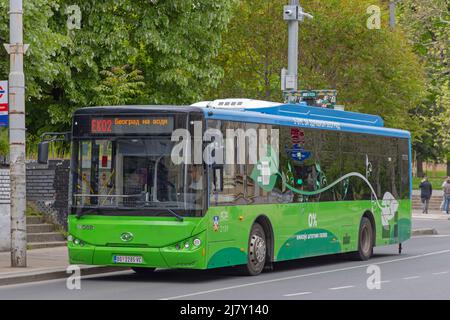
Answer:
[(233, 183)]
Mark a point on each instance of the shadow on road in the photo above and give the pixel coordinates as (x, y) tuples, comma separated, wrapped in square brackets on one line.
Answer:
[(187, 276)]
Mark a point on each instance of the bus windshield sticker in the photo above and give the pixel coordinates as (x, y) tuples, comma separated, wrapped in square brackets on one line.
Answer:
[(216, 223)]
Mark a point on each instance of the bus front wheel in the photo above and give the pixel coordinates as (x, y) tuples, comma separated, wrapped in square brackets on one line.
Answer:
[(365, 241), (257, 251)]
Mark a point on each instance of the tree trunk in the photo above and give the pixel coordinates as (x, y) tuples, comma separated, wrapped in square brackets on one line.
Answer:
[(420, 173)]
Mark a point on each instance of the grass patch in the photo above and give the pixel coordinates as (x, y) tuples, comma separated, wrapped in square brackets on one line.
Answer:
[(32, 212), (435, 182), (61, 230)]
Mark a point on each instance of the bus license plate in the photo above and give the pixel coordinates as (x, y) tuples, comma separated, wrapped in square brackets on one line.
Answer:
[(128, 259)]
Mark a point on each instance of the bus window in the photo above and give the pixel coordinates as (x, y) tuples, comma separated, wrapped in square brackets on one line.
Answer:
[(135, 173)]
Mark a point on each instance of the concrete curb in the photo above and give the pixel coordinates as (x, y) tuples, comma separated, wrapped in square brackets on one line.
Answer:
[(424, 232), (60, 273)]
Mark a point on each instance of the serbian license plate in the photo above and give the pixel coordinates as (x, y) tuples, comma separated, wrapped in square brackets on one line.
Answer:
[(128, 259)]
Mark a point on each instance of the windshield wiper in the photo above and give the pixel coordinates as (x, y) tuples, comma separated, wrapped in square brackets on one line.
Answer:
[(82, 212), (180, 218), (176, 215)]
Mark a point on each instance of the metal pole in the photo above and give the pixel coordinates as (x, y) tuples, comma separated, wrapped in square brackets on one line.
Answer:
[(16, 50), (293, 29), (293, 14)]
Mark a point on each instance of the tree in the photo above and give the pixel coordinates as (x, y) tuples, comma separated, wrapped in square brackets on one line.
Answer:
[(427, 24), (375, 71), (171, 42), (41, 69), (119, 86)]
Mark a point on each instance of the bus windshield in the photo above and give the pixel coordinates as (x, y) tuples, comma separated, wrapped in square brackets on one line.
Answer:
[(134, 176)]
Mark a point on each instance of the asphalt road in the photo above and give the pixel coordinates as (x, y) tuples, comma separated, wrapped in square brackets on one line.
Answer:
[(421, 272)]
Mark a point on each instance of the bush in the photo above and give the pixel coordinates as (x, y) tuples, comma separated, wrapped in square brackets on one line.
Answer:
[(4, 142)]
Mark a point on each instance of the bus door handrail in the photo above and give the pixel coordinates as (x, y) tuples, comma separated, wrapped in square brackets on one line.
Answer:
[(108, 196)]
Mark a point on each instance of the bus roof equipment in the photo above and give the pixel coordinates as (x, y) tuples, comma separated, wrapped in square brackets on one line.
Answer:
[(300, 110)]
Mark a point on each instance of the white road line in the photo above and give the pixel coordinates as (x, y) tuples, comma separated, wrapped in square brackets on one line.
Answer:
[(411, 278), (297, 294), (341, 288), (384, 281), (432, 236), (439, 273), (305, 275)]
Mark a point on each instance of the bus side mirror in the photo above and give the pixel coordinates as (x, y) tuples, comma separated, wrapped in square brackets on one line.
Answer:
[(43, 152), (43, 146)]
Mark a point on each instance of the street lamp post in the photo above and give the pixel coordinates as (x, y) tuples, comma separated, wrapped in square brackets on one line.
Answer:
[(16, 49), (293, 14)]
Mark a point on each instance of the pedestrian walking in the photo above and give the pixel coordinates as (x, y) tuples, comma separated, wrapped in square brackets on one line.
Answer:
[(426, 190), (447, 195), (444, 199)]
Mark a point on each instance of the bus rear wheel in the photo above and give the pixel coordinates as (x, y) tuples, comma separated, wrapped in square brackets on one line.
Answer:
[(257, 251), (365, 241), (143, 271)]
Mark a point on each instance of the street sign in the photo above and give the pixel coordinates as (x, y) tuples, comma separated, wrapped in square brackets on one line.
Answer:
[(4, 103), (3, 97), (313, 98)]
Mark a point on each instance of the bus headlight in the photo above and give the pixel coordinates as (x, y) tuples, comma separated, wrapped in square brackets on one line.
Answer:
[(69, 238), (197, 242)]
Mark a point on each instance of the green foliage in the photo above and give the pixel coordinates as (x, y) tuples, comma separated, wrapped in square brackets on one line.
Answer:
[(119, 86), (31, 211), (171, 42), (435, 182), (427, 24), (4, 142), (375, 71), (41, 67)]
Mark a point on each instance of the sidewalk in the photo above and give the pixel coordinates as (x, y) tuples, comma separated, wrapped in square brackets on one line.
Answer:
[(43, 264)]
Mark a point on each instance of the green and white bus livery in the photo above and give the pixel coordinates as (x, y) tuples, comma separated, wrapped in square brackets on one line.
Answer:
[(331, 182)]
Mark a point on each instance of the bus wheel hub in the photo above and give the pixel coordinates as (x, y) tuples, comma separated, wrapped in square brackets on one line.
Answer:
[(258, 249)]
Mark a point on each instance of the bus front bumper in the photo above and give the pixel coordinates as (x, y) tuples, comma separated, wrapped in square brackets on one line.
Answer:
[(176, 256)]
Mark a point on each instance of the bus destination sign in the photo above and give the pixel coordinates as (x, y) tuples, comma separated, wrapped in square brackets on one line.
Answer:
[(131, 125)]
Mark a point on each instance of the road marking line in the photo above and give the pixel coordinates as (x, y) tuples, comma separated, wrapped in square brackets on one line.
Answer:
[(305, 275), (432, 236), (410, 278), (296, 294), (384, 281), (341, 288), (439, 273)]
